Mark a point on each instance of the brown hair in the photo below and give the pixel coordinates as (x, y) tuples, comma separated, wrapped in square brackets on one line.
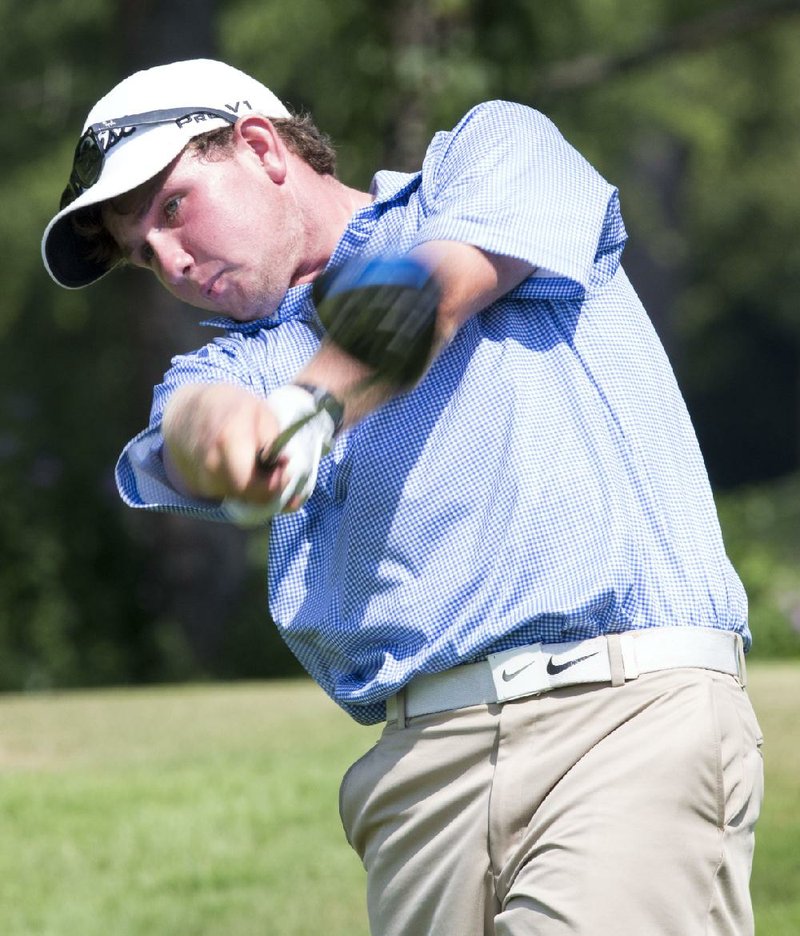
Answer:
[(299, 133)]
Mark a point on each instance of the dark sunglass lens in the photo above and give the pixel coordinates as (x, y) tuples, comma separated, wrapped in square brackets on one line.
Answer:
[(88, 161)]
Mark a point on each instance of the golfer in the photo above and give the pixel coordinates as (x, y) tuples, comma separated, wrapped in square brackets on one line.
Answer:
[(513, 560)]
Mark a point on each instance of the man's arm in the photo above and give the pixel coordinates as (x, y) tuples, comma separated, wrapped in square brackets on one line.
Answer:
[(470, 280), (214, 433)]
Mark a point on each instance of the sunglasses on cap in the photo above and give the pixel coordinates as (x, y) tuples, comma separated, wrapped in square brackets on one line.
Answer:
[(99, 138)]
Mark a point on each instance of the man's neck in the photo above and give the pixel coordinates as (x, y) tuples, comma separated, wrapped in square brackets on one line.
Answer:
[(327, 206)]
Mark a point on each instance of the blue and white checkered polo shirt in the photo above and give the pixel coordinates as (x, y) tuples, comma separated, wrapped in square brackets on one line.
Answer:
[(542, 483)]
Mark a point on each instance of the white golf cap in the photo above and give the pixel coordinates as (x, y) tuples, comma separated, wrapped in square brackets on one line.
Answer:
[(134, 154)]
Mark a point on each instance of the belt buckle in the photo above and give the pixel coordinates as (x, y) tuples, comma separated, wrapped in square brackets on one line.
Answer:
[(539, 668), (519, 672)]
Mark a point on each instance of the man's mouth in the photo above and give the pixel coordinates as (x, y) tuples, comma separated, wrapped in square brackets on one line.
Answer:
[(211, 289)]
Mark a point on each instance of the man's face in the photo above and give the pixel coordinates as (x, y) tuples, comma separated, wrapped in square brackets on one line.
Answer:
[(221, 234)]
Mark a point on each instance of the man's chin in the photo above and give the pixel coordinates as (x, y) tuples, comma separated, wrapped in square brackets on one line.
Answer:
[(245, 307)]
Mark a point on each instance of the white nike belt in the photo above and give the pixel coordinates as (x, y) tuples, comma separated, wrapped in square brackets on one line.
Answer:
[(537, 668)]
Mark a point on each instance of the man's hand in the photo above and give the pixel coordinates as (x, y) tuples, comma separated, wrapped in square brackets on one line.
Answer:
[(212, 436)]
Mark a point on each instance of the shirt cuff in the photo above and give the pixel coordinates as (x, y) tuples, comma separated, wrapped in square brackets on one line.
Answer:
[(142, 481)]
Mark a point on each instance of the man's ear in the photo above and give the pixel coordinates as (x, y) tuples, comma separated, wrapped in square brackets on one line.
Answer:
[(259, 135)]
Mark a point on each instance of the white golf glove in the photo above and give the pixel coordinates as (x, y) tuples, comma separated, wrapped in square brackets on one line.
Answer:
[(291, 403)]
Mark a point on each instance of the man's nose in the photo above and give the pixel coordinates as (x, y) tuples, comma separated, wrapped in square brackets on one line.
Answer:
[(172, 259)]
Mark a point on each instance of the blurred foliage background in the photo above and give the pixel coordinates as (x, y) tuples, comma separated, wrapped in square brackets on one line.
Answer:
[(691, 108)]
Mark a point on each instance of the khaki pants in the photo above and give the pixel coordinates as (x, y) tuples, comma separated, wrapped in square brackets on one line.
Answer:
[(588, 811)]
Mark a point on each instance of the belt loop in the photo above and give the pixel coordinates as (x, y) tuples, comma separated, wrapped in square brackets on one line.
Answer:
[(400, 707), (742, 665), (616, 661)]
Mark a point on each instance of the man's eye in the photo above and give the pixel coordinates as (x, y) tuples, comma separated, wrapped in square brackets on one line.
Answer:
[(171, 208), (147, 253)]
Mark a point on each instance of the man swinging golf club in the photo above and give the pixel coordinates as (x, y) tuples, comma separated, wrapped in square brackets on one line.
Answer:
[(490, 523)]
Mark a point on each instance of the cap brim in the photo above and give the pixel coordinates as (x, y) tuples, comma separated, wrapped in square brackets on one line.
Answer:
[(66, 255)]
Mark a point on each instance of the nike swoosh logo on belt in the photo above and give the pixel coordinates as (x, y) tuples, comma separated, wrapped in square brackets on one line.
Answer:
[(553, 668), (507, 677)]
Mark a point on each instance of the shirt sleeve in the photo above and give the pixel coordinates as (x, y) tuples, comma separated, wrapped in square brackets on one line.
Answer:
[(507, 181), (258, 362)]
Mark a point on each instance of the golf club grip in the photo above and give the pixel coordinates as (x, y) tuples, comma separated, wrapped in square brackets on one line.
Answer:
[(267, 458)]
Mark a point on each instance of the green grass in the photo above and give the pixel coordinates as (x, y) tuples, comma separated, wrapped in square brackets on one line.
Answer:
[(204, 811), (212, 811)]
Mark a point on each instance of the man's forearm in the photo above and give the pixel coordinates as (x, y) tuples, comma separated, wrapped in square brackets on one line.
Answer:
[(356, 386)]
